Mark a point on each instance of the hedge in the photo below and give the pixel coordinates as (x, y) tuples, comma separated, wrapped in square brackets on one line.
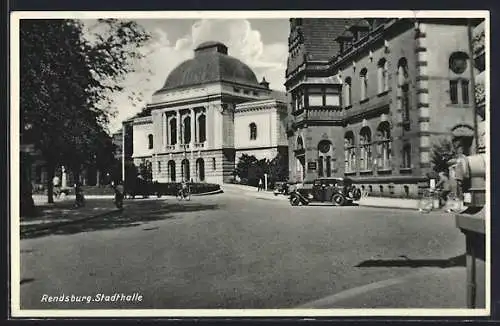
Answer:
[(171, 188)]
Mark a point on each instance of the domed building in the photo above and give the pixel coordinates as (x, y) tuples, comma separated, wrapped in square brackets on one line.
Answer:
[(210, 110)]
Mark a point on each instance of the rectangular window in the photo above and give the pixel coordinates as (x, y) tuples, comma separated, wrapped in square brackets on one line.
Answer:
[(315, 100), (159, 167), (320, 166), (454, 91), (300, 99), (407, 156), (465, 91), (332, 99)]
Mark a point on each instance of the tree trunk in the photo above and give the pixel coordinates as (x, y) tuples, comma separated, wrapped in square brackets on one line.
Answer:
[(27, 205), (50, 185)]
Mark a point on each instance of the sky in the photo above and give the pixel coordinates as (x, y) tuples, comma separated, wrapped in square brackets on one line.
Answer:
[(260, 43)]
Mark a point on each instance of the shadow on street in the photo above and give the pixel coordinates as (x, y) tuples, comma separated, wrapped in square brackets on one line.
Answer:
[(458, 261), (139, 213)]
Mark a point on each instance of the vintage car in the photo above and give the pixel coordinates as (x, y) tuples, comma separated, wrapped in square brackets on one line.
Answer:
[(338, 191)]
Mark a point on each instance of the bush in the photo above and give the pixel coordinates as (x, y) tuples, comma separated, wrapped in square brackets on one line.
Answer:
[(172, 188)]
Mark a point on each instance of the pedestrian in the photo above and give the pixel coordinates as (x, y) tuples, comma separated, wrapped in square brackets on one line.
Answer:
[(260, 185), (444, 186)]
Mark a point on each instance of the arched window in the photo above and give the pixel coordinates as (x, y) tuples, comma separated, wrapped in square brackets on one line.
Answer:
[(349, 152), (187, 130), (383, 76), (150, 141), (402, 71), (384, 146), (186, 176), (347, 92), (173, 131), (202, 133), (407, 156), (404, 89), (253, 131), (459, 86), (365, 146), (171, 170), (200, 169), (363, 79), (325, 153)]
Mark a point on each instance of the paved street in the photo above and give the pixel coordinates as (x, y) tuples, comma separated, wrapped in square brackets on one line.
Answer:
[(229, 251)]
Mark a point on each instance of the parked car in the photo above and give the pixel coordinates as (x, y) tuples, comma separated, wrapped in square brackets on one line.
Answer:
[(338, 191)]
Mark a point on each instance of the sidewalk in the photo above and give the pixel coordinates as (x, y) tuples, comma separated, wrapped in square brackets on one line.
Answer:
[(385, 202), (62, 212)]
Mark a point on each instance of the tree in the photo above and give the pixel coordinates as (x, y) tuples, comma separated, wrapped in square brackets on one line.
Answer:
[(67, 77), (442, 152), (243, 166), (278, 169)]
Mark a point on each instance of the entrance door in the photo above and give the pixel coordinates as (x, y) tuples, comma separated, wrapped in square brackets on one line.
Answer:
[(300, 168)]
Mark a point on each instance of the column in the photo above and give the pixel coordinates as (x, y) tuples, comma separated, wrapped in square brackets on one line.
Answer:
[(164, 129), (193, 129), (179, 134)]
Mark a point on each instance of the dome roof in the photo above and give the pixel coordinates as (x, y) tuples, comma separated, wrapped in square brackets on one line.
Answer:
[(210, 64)]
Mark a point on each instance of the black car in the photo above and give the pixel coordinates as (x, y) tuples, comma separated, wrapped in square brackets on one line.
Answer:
[(338, 191)]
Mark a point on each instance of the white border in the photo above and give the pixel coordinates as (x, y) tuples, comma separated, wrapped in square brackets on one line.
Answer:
[(14, 165)]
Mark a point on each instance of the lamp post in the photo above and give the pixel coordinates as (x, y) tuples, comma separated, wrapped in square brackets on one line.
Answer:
[(473, 84), (123, 153)]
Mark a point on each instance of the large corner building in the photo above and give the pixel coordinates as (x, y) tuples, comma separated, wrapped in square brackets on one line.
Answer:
[(210, 111), (369, 97)]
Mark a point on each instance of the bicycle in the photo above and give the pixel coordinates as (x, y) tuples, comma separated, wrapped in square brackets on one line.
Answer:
[(426, 202), (184, 194)]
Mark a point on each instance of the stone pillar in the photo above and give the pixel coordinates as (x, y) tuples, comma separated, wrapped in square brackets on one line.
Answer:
[(193, 129), (179, 133), (164, 125)]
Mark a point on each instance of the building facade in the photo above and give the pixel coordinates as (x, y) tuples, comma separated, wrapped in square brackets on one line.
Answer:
[(371, 96), (211, 110)]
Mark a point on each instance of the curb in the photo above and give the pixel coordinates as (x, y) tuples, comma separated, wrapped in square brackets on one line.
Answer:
[(389, 207), (215, 192), (56, 224)]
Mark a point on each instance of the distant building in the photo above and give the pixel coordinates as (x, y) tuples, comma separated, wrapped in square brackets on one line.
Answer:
[(370, 96), (209, 112)]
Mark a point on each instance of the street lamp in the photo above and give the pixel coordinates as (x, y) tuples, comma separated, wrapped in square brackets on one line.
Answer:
[(123, 153)]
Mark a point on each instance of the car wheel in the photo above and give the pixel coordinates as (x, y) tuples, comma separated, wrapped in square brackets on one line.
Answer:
[(357, 194), (294, 201), (338, 200)]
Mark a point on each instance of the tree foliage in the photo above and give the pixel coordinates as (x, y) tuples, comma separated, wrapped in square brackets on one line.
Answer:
[(250, 169), (442, 152), (67, 77)]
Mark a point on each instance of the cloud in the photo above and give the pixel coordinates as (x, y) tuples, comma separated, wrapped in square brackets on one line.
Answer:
[(163, 55)]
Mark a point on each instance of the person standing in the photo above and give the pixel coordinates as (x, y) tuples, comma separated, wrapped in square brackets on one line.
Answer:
[(260, 185), (445, 187)]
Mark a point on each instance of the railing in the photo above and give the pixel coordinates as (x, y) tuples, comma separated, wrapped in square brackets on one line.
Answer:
[(184, 146), (170, 147), (199, 145)]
